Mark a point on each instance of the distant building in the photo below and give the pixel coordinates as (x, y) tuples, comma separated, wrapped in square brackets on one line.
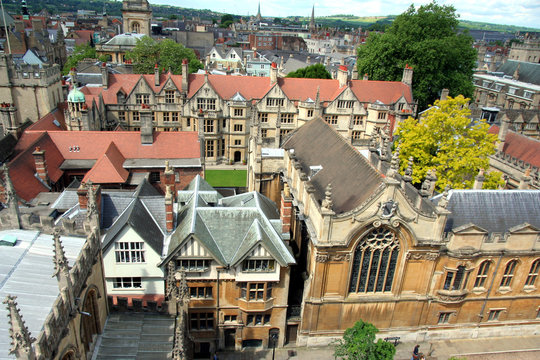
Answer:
[(528, 51), (137, 16)]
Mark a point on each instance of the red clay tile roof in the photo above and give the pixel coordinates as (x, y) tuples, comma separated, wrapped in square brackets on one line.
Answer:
[(520, 146), (255, 88), (108, 169), (47, 122), (23, 169)]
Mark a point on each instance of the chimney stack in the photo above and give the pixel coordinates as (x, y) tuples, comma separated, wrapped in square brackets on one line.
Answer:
[(82, 193), (273, 73), (104, 76), (525, 180), (147, 128), (167, 178), (342, 75), (41, 165), (479, 180), (444, 94), (185, 76), (366, 77), (503, 130), (407, 75), (156, 75), (169, 214), (286, 210)]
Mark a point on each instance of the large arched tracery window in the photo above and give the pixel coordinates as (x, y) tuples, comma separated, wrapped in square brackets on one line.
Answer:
[(374, 263)]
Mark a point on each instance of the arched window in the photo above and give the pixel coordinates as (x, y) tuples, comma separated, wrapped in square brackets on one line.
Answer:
[(136, 27), (456, 279), (374, 263), (509, 273), (482, 274), (533, 273)]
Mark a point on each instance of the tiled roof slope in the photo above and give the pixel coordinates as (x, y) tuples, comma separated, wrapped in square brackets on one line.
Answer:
[(255, 88), (230, 228), (520, 146), (528, 72), (506, 209), (108, 168), (352, 177)]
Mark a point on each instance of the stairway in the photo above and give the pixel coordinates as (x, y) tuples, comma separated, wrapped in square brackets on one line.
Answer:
[(136, 336)]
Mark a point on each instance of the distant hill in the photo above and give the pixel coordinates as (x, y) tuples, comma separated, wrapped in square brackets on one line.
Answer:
[(114, 8)]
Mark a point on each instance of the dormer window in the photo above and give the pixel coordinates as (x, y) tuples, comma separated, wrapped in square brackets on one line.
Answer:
[(193, 265), (259, 265)]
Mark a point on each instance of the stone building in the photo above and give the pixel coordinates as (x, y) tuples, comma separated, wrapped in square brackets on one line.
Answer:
[(372, 247), (62, 316), (27, 92), (528, 50), (228, 110), (136, 16)]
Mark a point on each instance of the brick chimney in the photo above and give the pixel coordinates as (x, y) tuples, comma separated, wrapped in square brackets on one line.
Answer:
[(273, 73), (167, 178), (503, 130), (407, 75), (147, 128), (104, 76), (169, 214), (342, 75), (286, 209), (185, 76), (41, 165), (156, 75), (82, 193)]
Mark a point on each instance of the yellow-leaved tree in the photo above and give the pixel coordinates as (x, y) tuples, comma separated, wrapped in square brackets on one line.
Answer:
[(444, 139)]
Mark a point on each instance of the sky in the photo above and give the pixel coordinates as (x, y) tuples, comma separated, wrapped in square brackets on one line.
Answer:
[(508, 12)]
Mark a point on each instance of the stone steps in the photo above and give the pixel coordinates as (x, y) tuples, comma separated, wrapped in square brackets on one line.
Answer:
[(136, 336)]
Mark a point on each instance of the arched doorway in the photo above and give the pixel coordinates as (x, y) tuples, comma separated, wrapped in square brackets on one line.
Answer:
[(237, 156), (89, 319)]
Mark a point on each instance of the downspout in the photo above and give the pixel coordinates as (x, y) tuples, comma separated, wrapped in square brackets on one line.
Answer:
[(481, 315)]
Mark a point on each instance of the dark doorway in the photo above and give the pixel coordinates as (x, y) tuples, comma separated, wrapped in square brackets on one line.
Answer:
[(292, 331), (237, 156), (230, 338), (203, 350)]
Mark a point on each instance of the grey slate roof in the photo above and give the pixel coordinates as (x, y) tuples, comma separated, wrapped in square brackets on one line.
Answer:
[(528, 72), (26, 271), (229, 228), (352, 177), (493, 210), (137, 216)]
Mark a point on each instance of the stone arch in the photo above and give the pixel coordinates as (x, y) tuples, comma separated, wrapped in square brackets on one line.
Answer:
[(69, 353), (135, 27), (90, 317)]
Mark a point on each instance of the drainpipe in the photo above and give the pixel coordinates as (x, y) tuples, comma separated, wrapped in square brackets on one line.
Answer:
[(481, 315)]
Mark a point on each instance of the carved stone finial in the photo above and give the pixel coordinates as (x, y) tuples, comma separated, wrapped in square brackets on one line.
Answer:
[(167, 166), (179, 349), (172, 289), (183, 288), (444, 199), (426, 185), (92, 204), (373, 141), (168, 191), (286, 190), (327, 203), (408, 171), (394, 165), (9, 190), (61, 264), (21, 339)]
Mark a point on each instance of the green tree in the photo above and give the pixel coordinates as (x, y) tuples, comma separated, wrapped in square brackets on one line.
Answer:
[(428, 40), (167, 54), (444, 139), (359, 343), (81, 52), (316, 71), (226, 20)]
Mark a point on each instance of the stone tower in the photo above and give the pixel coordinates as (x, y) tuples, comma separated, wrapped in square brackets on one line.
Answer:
[(136, 15)]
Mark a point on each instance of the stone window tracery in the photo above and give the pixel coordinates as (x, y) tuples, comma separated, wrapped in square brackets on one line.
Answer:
[(533, 273), (374, 263)]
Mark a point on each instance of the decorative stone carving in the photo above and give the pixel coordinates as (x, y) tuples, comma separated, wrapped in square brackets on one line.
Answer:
[(322, 258), (430, 256), (451, 296), (407, 177), (21, 339), (327, 203), (341, 257)]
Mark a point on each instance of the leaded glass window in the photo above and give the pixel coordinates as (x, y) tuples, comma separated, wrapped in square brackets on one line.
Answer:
[(374, 263)]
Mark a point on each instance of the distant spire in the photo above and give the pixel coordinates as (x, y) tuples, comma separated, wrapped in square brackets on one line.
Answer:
[(312, 21), (259, 17), (21, 339)]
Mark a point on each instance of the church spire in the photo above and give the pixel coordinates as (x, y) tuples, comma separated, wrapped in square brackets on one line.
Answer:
[(312, 21), (259, 17)]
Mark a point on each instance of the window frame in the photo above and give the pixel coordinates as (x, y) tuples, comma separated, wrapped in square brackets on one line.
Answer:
[(456, 279), (129, 282), (201, 292), (128, 252), (482, 274), (199, 318), (533, 273), (169, 96), (444, 317), (195, 267), (252, 265), (508, 275)]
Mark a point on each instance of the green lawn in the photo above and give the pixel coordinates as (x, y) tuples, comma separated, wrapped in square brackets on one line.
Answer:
[(226, 178)]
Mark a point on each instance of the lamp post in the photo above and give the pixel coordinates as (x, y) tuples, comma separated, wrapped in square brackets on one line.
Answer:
[(274, 338)]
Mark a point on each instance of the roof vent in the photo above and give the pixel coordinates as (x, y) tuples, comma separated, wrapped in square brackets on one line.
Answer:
[(313, 170)]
